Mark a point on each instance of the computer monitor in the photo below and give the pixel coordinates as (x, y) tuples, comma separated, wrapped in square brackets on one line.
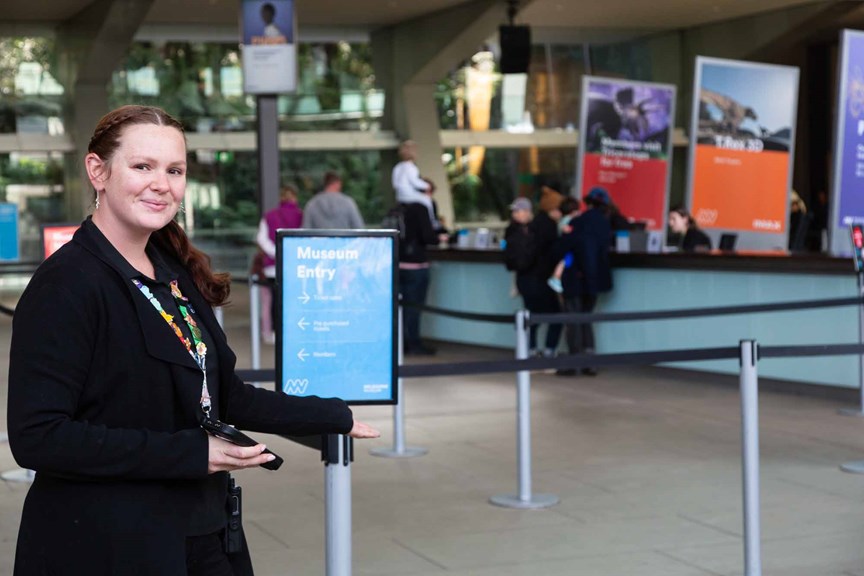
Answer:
[(727, 242)]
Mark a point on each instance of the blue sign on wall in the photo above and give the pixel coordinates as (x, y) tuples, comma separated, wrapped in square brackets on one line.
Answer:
[(337, 329), (9, 232)]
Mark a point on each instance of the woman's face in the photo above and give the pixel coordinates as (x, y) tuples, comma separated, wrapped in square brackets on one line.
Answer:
[(677, 223), (143, 184)]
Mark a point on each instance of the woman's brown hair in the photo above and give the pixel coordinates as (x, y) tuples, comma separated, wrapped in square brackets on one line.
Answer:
[(105, 141)]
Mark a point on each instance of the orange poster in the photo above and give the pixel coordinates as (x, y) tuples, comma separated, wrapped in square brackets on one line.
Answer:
[(743, 140), (740, 190)]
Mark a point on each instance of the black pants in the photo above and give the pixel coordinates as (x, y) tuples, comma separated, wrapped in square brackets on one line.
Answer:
[(413, 284), (539, 298), (580, 337), (206, 557)]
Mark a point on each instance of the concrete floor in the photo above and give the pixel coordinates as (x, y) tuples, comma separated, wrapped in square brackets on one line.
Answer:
[(646, 463)]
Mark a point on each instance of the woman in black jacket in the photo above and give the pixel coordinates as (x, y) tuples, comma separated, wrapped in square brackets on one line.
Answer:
[(692, 239), (116, 359)]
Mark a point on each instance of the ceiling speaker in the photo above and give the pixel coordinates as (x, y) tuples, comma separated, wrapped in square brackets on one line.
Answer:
[(515, 49)]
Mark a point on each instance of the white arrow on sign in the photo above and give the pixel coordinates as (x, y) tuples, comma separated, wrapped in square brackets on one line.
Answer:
[(302, 323), (302, 354), (304, 298)]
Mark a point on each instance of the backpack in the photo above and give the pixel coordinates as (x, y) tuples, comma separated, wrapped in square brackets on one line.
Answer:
[(520, 251), (394, 219)]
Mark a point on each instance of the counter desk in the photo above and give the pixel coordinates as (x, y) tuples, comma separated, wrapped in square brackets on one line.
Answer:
[(477, 281)]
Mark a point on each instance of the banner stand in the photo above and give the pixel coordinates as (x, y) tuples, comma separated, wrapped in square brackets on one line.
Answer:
[(749, 383), (524, 499), (337, 452), (399, 449)]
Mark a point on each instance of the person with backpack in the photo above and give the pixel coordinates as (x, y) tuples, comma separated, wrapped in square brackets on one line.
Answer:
[(527, 253), (415, 234)]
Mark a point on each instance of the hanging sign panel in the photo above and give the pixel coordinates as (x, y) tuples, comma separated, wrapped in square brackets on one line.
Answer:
[(625, 145), (269, 50), (847, 194), (742, 143), (337, 332)]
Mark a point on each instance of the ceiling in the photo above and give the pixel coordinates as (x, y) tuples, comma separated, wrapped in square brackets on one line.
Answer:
[(648, 15)]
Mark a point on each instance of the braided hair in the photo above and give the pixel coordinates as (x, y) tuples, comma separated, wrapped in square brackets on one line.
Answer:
[(172, 239)]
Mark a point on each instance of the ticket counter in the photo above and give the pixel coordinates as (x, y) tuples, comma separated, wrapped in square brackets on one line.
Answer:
[(476, 281)]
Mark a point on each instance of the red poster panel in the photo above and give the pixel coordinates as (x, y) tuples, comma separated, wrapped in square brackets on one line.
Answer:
[(625, 145), (56, 235), (638, 187)]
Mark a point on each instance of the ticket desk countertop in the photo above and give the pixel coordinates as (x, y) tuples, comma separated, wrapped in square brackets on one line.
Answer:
[(476, 280)]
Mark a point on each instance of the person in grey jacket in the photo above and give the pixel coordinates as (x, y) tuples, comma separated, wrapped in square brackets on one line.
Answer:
[(331, 209)]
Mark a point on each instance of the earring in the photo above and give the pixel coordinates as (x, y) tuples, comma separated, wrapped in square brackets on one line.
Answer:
[(182, 208), (97, 200)]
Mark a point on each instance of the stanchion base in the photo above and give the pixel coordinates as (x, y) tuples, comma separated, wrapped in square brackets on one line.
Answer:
[(18, 475), (851, 412), (513, 501), (854, 467), (409, 452)]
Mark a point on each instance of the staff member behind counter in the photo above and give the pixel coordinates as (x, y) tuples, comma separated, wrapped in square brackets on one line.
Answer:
[(691, 238)]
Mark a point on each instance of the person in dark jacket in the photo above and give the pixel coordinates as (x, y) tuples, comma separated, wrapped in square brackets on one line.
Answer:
[(414, 274), (590, 274), (691, 238), (532, 283), (116, 359)]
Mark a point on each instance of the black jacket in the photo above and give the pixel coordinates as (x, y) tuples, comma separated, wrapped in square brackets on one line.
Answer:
[(590, 272), (104, 405), (418, 234)]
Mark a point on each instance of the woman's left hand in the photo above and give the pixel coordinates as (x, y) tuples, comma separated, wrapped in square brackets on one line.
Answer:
[(361, 430)]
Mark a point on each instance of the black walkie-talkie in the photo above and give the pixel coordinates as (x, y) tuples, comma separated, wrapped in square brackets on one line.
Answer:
[(233, 528)]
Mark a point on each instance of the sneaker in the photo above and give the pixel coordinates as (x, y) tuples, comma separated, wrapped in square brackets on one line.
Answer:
[(269, 338), (555, 284), (589, 371), (565, 372)]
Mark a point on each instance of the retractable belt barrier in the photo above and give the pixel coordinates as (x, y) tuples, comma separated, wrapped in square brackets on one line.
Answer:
[(582, 317), (6, 311), (593, 360)]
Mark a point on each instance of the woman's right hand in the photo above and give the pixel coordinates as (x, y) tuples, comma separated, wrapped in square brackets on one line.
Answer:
[(225, 457)]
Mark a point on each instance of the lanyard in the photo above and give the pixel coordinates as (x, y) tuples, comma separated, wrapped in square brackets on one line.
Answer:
[(199, 353)]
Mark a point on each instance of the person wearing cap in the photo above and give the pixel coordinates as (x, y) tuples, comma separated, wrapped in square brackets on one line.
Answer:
[(590, 275), (531, 280)]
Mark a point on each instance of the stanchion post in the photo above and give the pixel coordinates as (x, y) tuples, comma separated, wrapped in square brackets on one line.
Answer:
[(255, 320), (857, 466), (399, 449), (525, 498), (750, 457), (337, 452), (859, 411)]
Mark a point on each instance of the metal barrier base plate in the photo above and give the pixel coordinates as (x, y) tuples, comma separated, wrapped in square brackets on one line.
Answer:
[(851, 412), (18, 475), (513, 501), (854, 467), (409, 452)]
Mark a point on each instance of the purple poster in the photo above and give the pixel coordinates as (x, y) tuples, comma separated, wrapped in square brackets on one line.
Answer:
[(848, 182)]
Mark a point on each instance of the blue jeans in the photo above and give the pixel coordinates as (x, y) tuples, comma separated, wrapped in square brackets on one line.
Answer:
[(413, 285)]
